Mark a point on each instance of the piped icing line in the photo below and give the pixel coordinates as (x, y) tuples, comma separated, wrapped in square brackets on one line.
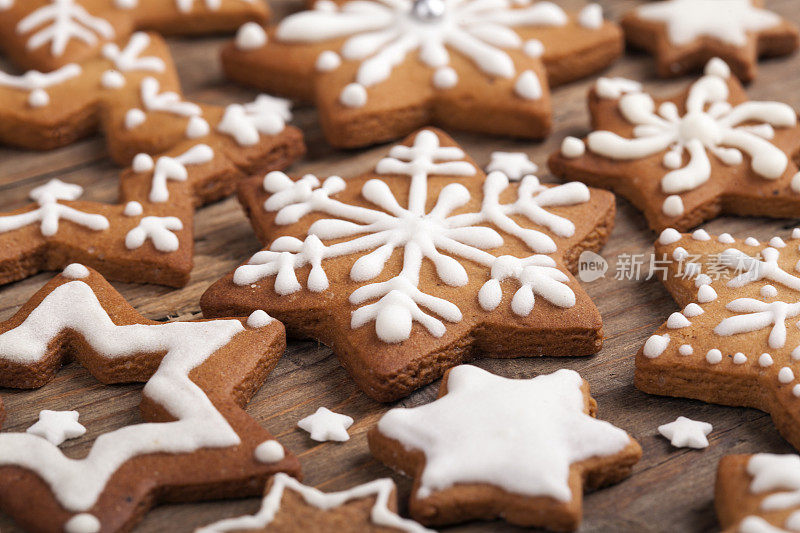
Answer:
[(380, 514), (379, 35), (436, 235), (73, 306), (36, 82), (778, 475), (60, 22)]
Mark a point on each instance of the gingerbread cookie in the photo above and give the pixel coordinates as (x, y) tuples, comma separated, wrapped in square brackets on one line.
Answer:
[(690, 158), (378, 70), (684, 34), (492, 447), (731, 343), (199, 153), (410, 269), (50, 34), (197, 442), (290, 506), (758, 493)]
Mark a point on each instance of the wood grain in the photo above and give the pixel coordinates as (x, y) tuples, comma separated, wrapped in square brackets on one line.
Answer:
[(671, 490)]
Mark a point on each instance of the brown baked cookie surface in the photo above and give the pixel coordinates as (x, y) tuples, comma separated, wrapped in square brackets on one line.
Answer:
[(196, 442), (684, 160), (183, 155), (758, 493), (735, 341), (421, 264), (291, 507), (491, 447), (684, 34), (49, 34), (379, 70)]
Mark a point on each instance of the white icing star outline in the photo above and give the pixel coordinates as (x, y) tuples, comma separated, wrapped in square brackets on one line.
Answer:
[(436, 235)]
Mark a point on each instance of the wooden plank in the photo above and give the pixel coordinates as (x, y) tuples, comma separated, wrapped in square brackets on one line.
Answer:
[(671, 490)]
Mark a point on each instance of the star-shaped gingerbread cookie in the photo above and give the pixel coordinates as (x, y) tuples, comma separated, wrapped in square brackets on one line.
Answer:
[(684, 34), (758, 493), (291, 506), (197, 441), (49, 34), (492, 447), (183, 155), (421, 264), (690, 158), (378, 70), (736, 340)]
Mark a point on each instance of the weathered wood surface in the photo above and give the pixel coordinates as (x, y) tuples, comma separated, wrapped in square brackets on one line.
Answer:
[(670, 490)]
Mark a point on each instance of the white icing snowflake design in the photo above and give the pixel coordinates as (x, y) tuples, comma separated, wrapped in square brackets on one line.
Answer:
[(60, 22), (710, 124), (382, 33), (437, 235)]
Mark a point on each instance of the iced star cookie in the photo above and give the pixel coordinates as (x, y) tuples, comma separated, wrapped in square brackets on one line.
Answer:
[(196, 442), (421, 264), (290, 506), (491, 447), (688, 159), (684, 34), (736, 341), (183, 155), (377, 70), (49, 34), (758, 493)]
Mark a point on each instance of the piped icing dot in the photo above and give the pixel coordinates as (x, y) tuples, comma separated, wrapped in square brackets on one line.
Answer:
[(533, 48), (702, 279), (777, 242), (796, 391), (796, 354), (572, 147), (751, 241), (82, 523), (112, 79), (655, 346), (250, 36), (765, 360), (673, 206), (354, 95), (685, 349), (679, 254), (701, 235), (706, 294), (143, 163), (726, 238), (795, 184), (445, 78), (768, 291), (786, 375), (669, 236), (75, 271), (133, 209), (739, 358), (693, 310), (677, 321), (328, 61), (714, 356), (796, 233), (269, 452), (259, 319)]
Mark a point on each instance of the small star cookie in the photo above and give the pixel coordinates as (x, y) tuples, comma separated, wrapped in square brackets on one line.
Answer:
[(57, 426), (684, 34), (492, 447), (325, 425), (686, 433)]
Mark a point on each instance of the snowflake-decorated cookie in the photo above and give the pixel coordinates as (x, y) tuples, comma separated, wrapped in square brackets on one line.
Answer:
[(199, 152), (690, 158), (758, 493), (421, 264), (379, 69), (492, 447), (195, 442), (291, 506), (49, 34), (684, 34), (736, 340)]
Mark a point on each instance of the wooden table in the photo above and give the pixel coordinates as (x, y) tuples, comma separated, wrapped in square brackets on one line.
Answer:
[(670, 490)]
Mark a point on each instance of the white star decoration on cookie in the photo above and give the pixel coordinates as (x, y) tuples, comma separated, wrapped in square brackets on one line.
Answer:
[(515, 165), (686, 433), (519, 434), (57, 426), (325, 425)]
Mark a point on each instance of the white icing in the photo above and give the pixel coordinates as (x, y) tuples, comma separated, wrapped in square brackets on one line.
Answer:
[(36, 82), (726, 20), (174, 168), (157, 229), (785, 375), (259, 319), (692, 310), (710, 124), (706, 294), (739, 358), (613, 88), (445, 78), (591, 17), (765, 360), (673, 206), (75, 271), (726, 238), (143, 163), (677, 321), (82, 523), (685, 349), (57, 426), (50, 212), (251, 36), (130, 59), (686, 433), (380, 35), (669, 236), (714, 356), (133, 209), (701, 235), (328, 61), (533, 48), (269, 452), (572, 147), (521, 435), (61, 21), (165, 102), (197, 127), (245, 123), (515, 165), (325, 425), (134, 118), (380, 515), (420, 235), (112, 79), (779, 475), (77, 483)]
